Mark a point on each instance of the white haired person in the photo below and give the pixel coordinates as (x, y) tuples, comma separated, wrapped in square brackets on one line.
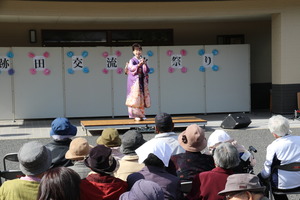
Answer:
[(247, 159), (283, 150), (207, 185)]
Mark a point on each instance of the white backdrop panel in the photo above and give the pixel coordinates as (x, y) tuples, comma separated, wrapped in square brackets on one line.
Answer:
[(39, 95), (87, 94), (120, 80), (228, 89), (6, 89), (181, 92)]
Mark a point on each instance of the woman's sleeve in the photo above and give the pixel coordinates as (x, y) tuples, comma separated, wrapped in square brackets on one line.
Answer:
[(145, 68), (265, 173), (133, 67)]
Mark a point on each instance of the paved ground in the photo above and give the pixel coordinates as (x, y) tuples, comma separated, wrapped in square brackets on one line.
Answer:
[(36, 128), (14, 134)]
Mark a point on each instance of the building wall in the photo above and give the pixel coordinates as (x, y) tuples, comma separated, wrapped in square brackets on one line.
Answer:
[(286, 61), (274, 42), (257, 34)]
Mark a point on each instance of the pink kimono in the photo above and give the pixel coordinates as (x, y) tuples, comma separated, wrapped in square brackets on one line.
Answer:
[(138, 96)]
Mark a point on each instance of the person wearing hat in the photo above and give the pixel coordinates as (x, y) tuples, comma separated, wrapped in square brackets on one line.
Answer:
[(144, 190), (131, 140), (110, 138), (79, 149), (34, 161), (156, 156), (283, 150), (61, 131), (247, 159), (243, 186), (164, 128), (100, 184), (207, 185), (192, 162)]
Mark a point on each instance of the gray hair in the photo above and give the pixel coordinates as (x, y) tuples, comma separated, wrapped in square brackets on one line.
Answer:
[(279, 125), (226, 156)]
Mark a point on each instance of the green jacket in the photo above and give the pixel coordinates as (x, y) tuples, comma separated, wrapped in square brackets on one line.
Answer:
[(19, 190)]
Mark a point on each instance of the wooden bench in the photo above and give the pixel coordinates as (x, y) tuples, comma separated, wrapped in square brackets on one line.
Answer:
[(149, 123)]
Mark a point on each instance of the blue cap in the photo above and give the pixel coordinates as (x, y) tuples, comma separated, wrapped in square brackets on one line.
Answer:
[(62, 126)]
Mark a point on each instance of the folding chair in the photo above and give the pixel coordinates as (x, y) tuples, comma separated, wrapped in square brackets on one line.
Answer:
[(10, 174), (296, 114), (288, 167), (13, 157), (186, 187)]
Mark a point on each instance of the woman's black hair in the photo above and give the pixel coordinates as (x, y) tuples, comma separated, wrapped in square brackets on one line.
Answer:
[(136, 45), (153, 160), (59, 183)]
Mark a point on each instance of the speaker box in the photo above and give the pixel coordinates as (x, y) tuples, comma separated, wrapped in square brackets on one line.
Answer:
[(235, 121)]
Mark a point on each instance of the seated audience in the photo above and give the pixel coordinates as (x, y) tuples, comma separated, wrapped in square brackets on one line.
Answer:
[(247, 160), (131, 140), (283, 150), (34, 159), (164, 128), (61, 131), (207, 185), (78, 151), (100, 184), (110, 138), (243, 186), (192, 162), (155, 154), (60, 183), (144, 190)]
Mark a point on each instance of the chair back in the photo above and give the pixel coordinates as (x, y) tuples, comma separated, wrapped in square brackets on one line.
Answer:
[(289, 167), (13, 157), (295, 166), (10, 174), (186, 187)]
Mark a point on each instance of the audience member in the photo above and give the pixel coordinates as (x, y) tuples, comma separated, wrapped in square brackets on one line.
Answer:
[(100, 184), (247, 160), (208, 184), (34, 159), (131, 140), (283, 150), (164, 128), (61, 131), (110, 138), (155, 154), (192, 162), (60, 183), (144, 190), (79, 149), (243, 186)]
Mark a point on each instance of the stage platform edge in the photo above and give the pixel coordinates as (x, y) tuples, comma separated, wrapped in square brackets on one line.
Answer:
[(148, 124)]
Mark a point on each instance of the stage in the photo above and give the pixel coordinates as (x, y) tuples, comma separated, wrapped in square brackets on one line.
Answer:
[(146, 125)]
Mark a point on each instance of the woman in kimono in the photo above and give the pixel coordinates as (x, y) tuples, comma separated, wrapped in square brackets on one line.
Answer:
[(138, 96)]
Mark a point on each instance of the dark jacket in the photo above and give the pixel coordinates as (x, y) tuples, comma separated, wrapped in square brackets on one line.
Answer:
[(189, 164), (168, 182), (58, 150)]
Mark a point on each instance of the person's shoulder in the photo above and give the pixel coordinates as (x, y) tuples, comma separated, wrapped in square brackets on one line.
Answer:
[(166, 136), (17, 183)]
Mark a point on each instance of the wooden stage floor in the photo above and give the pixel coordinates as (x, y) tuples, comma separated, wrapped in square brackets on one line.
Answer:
[(148, 124)]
